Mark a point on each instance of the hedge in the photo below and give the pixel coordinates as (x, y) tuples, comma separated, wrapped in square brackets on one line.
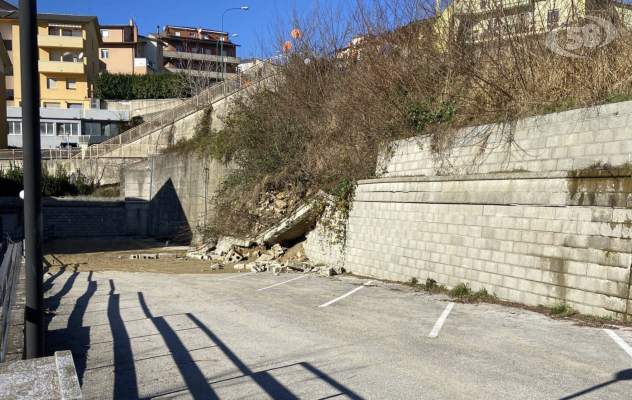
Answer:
[(139, 87)]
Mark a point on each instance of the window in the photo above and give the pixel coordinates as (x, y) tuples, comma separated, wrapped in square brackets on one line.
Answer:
[(8, 44), (66, 32), (92, 128), (105, 53), (177, 33), (47, 128), (51, 83), (127, 36), (71, 83), (207, 51), (75, 106), (206, 37), (552, 18), (191, 34), (51, 105), (15, 127), (10, 94), (179, 65), (53, 31), (105, 33), (179, 49), (194, 50), (67, 129)]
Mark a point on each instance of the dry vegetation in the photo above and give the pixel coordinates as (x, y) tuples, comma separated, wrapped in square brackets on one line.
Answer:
[(334, 106)]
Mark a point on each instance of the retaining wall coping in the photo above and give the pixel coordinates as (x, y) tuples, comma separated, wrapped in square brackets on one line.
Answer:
[(602, 173)]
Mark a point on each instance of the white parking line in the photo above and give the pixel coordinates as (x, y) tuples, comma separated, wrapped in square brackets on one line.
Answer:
[(282, 283), (343, 296), (435, 331), (237, 276), (619, 341)]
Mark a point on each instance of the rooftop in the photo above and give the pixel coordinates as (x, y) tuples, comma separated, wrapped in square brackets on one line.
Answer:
[(63, 18)]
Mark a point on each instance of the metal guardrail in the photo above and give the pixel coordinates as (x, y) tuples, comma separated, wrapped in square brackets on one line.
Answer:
[(47, 154), (9, 277), (244, 79)]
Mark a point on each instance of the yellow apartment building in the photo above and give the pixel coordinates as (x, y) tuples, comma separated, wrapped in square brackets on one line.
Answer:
[(6, 68), (475, 21), (68, 58)]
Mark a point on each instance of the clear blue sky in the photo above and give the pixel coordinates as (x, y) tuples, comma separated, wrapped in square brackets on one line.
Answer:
[(148, 14)]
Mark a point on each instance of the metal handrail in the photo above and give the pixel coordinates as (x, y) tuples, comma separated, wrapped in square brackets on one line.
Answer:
[(9, 278), (208, 96)]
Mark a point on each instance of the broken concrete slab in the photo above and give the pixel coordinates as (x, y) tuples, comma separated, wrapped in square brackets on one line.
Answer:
[(226, 243), (134, 257), (148, 256), (265, 257), (298, 266), (295, 225), (216, 267)]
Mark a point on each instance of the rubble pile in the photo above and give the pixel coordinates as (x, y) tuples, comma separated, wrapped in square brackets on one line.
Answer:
[(243, 256)]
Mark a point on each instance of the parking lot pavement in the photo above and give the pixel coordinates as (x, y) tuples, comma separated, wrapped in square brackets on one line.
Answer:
[(141, 335)]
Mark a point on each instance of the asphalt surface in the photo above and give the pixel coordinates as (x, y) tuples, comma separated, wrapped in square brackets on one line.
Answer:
[(142, 335)]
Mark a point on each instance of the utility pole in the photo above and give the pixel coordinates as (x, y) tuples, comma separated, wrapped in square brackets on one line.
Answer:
[(32, 180)]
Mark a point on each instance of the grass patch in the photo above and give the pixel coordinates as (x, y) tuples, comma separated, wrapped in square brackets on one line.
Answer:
[(562, 310), (107, 191), (461, 290)]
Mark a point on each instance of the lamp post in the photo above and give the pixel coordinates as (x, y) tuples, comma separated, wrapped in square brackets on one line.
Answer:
[(217, 48), (222, 38)]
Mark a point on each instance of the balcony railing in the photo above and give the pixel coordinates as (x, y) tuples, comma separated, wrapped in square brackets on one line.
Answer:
[(62, 67), (182, 55), (479, 7), (56, 41)]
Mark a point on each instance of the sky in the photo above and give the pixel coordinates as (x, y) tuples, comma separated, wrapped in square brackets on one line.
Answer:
[(250, 25)]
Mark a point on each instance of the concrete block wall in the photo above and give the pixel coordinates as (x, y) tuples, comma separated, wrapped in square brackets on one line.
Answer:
[(319, 248), (90, 217), (531, 238), (565, 141)]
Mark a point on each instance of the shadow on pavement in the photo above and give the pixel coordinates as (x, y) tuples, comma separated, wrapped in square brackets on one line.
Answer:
[(623, 375)]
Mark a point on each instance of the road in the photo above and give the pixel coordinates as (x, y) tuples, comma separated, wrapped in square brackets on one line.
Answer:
[(144, 335)]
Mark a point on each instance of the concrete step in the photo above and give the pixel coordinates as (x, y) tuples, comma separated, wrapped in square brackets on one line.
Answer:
[(41, 378)]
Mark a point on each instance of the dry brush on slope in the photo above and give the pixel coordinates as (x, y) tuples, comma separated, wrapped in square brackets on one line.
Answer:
[(337, 102)]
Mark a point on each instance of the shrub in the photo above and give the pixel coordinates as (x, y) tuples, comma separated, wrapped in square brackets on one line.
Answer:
[(135, 86)]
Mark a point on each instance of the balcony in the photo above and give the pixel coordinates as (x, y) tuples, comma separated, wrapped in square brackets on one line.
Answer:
[(144, 62), (208, 74), (61, 67), (61, 42), (472, 7), (200, 57)]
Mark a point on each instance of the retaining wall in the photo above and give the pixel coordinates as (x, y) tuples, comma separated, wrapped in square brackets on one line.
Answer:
[(89, 216), (541, 237), (564, 141)]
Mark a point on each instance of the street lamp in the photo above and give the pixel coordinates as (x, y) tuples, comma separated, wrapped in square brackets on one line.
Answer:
[(217, 48), (222, 37)]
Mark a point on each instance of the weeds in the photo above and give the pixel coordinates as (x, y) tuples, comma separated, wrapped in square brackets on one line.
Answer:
[(461, 290), (562, 310)]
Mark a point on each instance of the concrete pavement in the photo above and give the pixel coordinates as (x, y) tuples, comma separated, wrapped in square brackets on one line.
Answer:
[(141, 335)]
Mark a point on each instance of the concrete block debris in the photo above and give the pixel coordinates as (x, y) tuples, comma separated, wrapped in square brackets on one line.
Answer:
[(265, 257), (216, 267), (167, 256), (233, 256), (278, 250)]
